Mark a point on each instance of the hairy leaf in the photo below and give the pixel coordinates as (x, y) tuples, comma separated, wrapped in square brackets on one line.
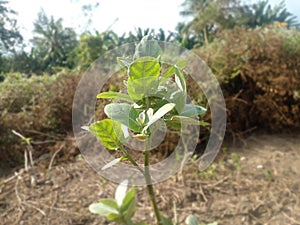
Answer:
[(105, 207), (121, 192), (147, 47), (159, 114), (123, 113)]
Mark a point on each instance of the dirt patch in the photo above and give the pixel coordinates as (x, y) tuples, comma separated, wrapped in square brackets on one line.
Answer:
[(257, 183)]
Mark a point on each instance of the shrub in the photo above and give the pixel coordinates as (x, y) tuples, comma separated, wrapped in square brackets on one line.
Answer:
[(36, 107), (259, 73)]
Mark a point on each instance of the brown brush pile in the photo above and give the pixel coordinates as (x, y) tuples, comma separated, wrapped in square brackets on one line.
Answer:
[(39, 108), (259, 72)]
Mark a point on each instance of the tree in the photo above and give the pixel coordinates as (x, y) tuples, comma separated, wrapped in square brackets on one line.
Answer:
[(52, 42), (9, 34), (90, 47), (207, 17), (261, 13)]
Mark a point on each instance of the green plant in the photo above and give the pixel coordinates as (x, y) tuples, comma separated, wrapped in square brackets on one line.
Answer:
[(156, 94), (210, 172), (121, 209)]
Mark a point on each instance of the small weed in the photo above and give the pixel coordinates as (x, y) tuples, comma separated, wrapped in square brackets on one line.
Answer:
[(209, 173)]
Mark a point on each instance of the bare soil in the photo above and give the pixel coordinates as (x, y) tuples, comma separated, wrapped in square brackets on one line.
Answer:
[(255, 183)]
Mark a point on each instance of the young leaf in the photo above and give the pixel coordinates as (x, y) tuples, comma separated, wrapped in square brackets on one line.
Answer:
[(147, 47), (159, 114), (105, 207), (129, 197), (112, 163), (124, 114), (121, 192), (181, 79), (128, 207), (191, 110), (86, 128), (173, 93), (117, 218), (109, 132), (113, 95), (192, 220)]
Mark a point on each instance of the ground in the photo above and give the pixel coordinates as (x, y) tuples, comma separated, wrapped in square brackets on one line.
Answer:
[(256, 182)]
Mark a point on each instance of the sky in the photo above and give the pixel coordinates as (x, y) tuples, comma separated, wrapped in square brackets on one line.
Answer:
[(119, 15)]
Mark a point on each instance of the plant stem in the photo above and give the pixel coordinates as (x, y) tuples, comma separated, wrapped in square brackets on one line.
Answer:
[(130, 159), (149, 182)]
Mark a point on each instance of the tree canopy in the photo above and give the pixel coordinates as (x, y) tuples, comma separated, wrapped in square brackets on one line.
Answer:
[(9, 33)]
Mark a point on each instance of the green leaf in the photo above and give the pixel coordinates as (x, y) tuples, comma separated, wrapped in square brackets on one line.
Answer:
[(192, 220), (144, 87), (159, 114), (165, 221), (105, 207), (113, 95), (141, 223), (109, 132), (173, 93), (148, 47), (176, 122), (121, 192), (185, 120), (128, 198), (144, 67), (123, 113), (115, 217), (143, 78), (191, 110), (170, 71), (131, 208), (181, 79)]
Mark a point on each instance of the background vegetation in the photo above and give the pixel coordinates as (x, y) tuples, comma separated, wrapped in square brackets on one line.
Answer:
[(253, 49)]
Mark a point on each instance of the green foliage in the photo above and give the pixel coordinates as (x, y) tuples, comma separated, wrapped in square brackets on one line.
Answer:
[(261, 13), (121, 209), (91, 47), (156, 95), (9, 34), (109, 132), (209, 173), (52, 42), (207, 18), (155, 92)]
